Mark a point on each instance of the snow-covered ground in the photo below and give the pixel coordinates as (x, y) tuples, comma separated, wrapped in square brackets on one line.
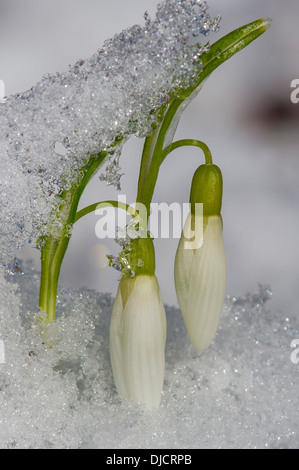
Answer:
[(56, 389)]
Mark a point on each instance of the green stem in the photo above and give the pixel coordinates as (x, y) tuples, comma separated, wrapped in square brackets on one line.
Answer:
[(51, 258), (189, 142), (55, 246), (102, 204), (152, 156)]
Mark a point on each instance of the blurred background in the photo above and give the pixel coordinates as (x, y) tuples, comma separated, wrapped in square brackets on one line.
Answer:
[(244, 113)]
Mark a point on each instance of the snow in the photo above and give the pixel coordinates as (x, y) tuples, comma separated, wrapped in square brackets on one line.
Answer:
[(57, 391)]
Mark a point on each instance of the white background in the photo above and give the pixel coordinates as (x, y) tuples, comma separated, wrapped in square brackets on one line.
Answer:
[(243, 113)]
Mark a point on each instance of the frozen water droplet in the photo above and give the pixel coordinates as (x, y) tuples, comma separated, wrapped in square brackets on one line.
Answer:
[(112, 173), (18, 146)]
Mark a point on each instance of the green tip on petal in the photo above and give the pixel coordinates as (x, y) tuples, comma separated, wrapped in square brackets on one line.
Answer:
[(140, 254), (206, 188)]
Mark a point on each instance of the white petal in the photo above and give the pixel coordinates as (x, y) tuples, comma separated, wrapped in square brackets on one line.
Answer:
[(182, 271), (116, 335), (207, 287), (137, 343), (183, 265)]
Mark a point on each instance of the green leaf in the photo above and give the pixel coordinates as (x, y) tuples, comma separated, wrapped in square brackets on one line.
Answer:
[(224, 49), (229, 45), (219, 52)]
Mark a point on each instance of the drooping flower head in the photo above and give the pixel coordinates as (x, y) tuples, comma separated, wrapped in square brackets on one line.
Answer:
[(138, 331), (200, 272)]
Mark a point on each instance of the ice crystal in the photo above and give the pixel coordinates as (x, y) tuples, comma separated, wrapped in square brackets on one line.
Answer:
[(124, 237), (50, 131), (112, 173)]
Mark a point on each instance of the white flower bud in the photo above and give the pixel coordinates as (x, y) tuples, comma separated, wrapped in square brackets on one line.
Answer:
[(137, 340), (200, 277)]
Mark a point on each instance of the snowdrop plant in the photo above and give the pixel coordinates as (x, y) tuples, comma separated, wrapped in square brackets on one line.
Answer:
[(138, 323), (139, 83)]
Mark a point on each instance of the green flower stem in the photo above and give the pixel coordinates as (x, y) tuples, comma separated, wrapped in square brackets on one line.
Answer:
[(51, 258), (102, 204), (54, 247), (189, 142), (152, 156)]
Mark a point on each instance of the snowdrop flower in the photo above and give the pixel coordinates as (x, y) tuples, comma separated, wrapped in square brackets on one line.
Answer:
[(200, 271), (138, 331)]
